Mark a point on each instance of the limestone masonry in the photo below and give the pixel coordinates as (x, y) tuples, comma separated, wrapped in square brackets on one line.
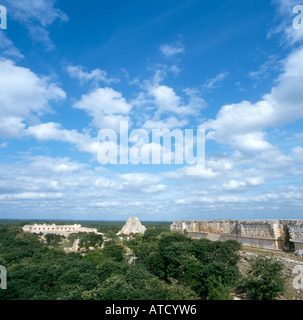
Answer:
[(64, 230), (132, 225), (268, 234)]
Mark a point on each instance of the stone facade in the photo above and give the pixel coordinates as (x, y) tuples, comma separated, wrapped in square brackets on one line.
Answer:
[(268, 234), (63, 230), (132, 225)]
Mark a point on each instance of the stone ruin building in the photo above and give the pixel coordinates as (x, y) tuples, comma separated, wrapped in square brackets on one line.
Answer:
[(267, 234), (132, 225), (63, 230)]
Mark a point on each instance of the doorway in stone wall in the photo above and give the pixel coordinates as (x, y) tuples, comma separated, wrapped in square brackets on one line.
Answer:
[(288, 245)]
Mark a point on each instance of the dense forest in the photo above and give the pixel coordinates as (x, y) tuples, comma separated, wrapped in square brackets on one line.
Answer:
[(159, 265)]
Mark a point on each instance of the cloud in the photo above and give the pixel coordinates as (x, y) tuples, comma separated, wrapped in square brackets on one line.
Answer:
[(7, 47), (235, 185), (160, 104), (196, 102), (139, 179), (201, 172), (241, 125), (171, 50), (282, 165), (28, 10), (22, 92), (174, 69), (216, 81), (106, 106), (272, 63), (169, 123), (31, 196), (150, 153), (285, 27), (24, 96), (106, 204), (103, 182), (41, 175), (41, 35), (251, 142), (155, 188), (255, 181), (85, 143), (54, 131), (11, 127), (55, 166), (194, 172), (96, 75), (137, 183), (36, 16), (166, 100)]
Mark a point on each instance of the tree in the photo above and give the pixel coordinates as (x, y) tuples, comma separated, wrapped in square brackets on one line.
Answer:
[(266, 280), (109, 268), (136, 283), (217, 290), (216, 251), (215, 277), (145, 252), (96, 257), (170, 265), (77, 274), (114, 250), (173, 249), (53, 239), (89, 239)]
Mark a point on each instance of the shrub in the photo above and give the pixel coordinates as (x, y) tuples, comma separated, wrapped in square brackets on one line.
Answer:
[(216, 280), (217, 290), (266, 280)]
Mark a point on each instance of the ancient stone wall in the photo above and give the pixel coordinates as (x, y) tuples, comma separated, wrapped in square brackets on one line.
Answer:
[(268, 234)]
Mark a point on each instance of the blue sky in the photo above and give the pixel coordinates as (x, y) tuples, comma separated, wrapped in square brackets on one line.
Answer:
[(68, 69)]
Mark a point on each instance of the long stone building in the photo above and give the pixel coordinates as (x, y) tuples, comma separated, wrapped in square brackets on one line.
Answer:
[(268, 234), (64, 230)]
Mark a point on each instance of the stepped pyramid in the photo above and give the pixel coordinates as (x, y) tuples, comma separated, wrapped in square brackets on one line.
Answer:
[(132, 225)]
